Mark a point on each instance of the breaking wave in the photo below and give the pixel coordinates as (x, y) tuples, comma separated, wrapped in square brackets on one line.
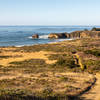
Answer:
[(40, 37)]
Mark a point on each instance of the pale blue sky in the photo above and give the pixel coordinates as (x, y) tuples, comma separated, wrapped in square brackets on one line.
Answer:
[(49, 12)]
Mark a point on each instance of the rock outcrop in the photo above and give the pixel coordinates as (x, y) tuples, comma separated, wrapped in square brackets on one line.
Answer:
[(95, 29), (76, 34), (58, 35), (53, 36), (94, 33), (90, 34), (35, 36)]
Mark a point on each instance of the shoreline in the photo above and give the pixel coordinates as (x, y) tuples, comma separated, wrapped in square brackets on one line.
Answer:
[(62, 40), (57, 37)]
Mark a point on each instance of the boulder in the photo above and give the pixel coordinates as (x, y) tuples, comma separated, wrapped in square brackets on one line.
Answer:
[(35, 36), (58, 35), (53, 35)]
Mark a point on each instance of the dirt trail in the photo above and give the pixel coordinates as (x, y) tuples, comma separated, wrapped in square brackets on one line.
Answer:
[(94, 92)]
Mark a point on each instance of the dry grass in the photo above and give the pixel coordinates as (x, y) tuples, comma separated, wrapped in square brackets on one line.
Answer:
[(69, 83), (8, 56), (49, 69)]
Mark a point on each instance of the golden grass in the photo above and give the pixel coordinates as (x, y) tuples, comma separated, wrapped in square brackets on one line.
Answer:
[(21, 56), (18, 73), (68, 82)]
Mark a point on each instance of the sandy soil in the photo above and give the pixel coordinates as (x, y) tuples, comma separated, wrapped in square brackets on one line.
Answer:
[(94, 92), (21, 56)]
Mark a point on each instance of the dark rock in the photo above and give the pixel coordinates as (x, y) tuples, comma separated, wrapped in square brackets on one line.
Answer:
[(76, 34), (53, 35), (95, 29), (58, 35), (67, 35), (35, 36)]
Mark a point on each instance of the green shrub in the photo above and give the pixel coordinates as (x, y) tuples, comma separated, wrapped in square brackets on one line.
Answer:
[(69, 62), (31, 63), (63, 78), (14, 94), (93, 65), (5, 57), (93, 52)]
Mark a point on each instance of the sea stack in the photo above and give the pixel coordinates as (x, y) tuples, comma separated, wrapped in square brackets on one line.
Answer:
[(35, 36)]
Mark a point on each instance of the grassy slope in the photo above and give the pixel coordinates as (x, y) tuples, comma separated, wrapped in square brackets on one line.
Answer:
[(42, 78)]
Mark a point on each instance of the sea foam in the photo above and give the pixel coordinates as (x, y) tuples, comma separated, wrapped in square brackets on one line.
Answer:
[(40, 37), (43, 36)]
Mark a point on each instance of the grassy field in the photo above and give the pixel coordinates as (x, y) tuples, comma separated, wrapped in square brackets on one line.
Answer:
[(58, 71)]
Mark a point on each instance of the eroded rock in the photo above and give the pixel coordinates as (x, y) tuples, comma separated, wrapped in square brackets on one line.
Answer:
[(35, 36)]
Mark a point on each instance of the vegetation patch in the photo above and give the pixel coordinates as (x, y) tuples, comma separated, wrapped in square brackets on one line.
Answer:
[(5, 57), (92, 65), (63, 60), (50, 81), (29, 63), (69, 62), (93, 52)]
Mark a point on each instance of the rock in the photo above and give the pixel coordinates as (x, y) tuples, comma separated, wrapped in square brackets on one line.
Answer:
[(90, 34), (67, 35), (53, 36), (58, 35), (95, 29), (35, 36), (76, 34), (85, 34)]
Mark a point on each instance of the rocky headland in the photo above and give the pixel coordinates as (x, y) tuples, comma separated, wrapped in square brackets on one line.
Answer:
[(95, 32)]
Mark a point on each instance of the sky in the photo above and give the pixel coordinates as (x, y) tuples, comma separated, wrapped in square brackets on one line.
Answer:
[(49, 12)]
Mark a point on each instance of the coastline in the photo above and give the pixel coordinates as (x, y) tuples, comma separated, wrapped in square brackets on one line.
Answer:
[(59, 40), (15, 36), (40, 67)]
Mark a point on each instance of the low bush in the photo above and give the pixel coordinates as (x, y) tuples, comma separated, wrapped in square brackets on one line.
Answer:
[(69, 62), (93, 52), (18, 94), (93, 65)]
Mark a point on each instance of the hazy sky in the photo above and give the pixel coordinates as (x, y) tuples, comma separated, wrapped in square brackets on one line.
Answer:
[(49, 12)]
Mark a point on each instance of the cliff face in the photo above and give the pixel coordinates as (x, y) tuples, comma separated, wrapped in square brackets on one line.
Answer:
[(76, 34)]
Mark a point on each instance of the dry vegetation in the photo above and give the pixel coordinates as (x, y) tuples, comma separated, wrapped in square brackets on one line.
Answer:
[(55, 71)]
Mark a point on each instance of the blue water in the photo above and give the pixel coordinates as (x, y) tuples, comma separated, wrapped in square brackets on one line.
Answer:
[(21, 35)]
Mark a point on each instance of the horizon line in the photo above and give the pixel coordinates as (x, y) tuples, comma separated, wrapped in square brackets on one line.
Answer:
[(50, 25)]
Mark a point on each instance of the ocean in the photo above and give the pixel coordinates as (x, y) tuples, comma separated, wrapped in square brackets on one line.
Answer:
[(22, 35)]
